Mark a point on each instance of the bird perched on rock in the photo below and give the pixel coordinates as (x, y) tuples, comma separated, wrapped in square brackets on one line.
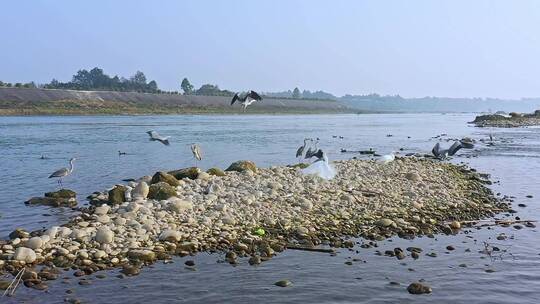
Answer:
[(154, 136), (61, 173), (445, 153), (246, 99)]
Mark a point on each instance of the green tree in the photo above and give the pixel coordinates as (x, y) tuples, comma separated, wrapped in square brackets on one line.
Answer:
[(296, 93), (186, 86)]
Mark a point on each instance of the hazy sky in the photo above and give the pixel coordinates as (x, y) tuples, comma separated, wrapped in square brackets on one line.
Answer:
[(412, 48)]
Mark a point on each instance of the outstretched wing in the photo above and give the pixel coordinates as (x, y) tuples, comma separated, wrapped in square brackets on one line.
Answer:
[(436, 150), (454, 148), (235, 98), (255, 95)]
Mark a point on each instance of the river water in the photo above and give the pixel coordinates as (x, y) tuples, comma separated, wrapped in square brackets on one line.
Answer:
[(459, 276)]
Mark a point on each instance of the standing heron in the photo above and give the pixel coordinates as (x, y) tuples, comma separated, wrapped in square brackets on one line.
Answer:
[(312, 150), (197, 152), (246, 99), (63, 172), (300, 151), (444, 153), (154, 136)]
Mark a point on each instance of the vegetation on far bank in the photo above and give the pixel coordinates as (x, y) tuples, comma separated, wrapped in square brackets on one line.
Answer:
[(97, 107)]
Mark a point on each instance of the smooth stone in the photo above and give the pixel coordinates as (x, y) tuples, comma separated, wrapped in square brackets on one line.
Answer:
[(418, 288), (24, 254), (104, 235), (283, 283), (34, 243)]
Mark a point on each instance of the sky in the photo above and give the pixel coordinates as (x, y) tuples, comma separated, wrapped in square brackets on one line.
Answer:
[(454, 48)]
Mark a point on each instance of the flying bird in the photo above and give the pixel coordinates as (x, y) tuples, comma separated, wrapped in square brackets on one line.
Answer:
[(63, 172), (246, 99), (155, 136), (445, 153)]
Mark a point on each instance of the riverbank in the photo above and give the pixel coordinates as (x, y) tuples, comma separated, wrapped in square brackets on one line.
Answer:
[(20, 102), (514, 120), (253, 214)]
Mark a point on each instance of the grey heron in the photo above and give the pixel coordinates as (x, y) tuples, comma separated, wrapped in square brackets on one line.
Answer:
[(154, 136), (246, 99), (63, 172), (120, 153), (444, 153), (312, 149), (300, 150), (197, 151)]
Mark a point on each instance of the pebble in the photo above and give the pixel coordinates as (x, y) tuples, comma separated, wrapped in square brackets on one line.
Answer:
[(104, 235), (418, 288), (34, 243), (283, 283)]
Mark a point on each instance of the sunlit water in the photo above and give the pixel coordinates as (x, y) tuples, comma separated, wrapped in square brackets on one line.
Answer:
[(273, 140)]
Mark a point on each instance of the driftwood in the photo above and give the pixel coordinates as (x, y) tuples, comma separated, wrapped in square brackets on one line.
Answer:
[(10, 290), (325, 250)]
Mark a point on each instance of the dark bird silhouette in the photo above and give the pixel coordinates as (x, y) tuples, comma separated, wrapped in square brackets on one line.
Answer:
[(445, 153), (246, 99)]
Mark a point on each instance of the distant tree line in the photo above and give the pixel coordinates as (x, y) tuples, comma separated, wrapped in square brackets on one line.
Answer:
[(97, 80), (297, 94), (18, 85)]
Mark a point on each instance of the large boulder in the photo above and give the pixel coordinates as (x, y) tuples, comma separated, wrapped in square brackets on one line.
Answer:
[(62, 193), (24, 254), (242, 166), (60, 198), (140, 191), (142, 255), (164, 177), (191, 173), (178, 205), (216, 172), (161, 191), (117, 195)]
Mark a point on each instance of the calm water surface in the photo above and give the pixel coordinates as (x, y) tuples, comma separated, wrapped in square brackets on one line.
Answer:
[(272, 140)]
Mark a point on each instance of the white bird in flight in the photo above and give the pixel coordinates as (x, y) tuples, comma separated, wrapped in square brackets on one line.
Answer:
[(155, 136), (246, 99)]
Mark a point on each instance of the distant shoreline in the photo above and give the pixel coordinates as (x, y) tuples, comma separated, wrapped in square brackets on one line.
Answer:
[(44, 102)]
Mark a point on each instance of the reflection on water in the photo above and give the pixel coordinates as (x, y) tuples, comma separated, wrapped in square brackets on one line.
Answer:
[(273, 140)]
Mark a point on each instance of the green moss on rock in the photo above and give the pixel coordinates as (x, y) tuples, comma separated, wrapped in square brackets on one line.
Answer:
[(164, 177), (161, 191), (215, 172), (242, 166), (191, 173)]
